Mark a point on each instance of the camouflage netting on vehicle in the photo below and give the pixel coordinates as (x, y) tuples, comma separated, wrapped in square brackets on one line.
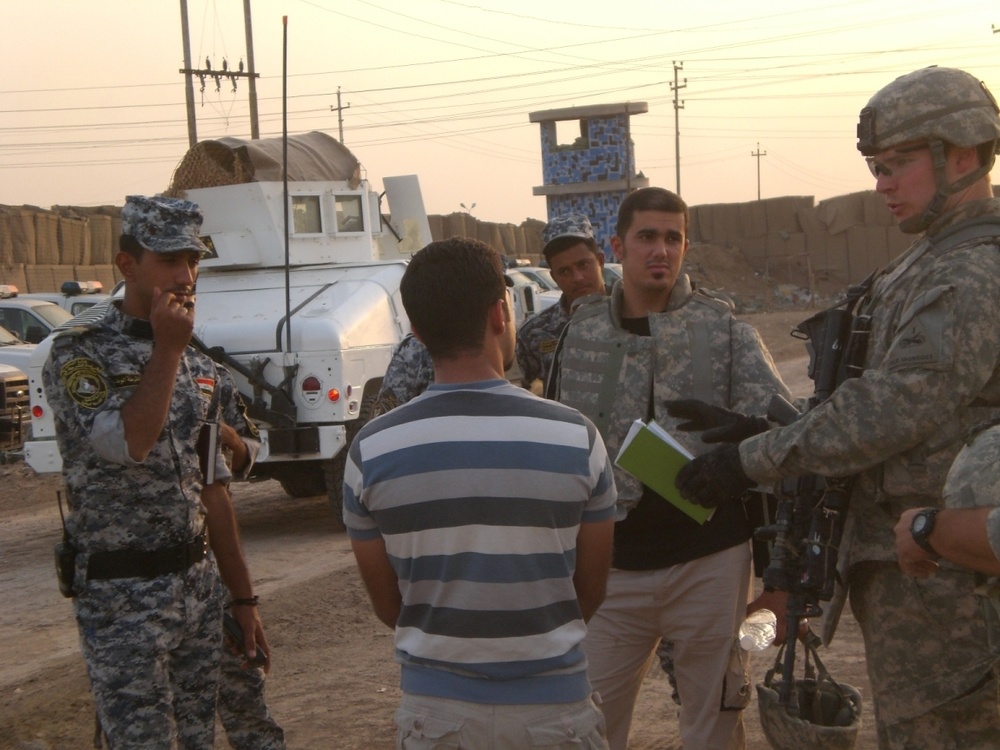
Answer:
[(313, 156)]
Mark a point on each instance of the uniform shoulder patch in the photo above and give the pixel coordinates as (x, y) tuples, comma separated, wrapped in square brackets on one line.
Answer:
[(206, 386), (915, 346), (85, 382)]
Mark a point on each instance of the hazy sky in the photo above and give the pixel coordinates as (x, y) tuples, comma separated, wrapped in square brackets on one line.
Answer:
[(92, 102)]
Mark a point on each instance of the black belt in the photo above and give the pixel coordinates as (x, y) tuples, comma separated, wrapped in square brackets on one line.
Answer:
[(139, 563)]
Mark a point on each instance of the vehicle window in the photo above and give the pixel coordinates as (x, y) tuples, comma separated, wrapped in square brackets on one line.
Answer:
[(14, 321), (349, 216), (52, 314), (519, 278), (544, 278), (6, 337), (306, 215), (612, 272)]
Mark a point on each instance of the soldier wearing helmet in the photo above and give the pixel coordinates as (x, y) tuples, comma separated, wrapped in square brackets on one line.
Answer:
[(922, 120), (930, 372)]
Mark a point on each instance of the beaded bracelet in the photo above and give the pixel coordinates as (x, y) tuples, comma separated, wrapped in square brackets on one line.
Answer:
[(248, 602)]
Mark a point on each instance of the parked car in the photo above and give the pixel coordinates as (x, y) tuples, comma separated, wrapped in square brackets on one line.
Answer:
[(537, 296), (15, 409), (31, 320), (14, 352), (541, 276), (73, 296)]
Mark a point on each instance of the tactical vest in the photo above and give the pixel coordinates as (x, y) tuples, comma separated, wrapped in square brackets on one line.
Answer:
[(607, 373)]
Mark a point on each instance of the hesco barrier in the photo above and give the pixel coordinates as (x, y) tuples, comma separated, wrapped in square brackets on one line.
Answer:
[(786, 238)]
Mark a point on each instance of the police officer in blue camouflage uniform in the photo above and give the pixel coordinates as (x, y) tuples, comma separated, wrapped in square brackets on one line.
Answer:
[(575, 261), (409, 373), (242, 708), (130, 398)]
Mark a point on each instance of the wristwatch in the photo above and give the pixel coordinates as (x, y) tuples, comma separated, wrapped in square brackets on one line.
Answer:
[(921, 527)]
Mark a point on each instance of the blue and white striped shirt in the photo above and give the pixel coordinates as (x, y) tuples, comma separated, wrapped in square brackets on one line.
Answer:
[(478, 491)]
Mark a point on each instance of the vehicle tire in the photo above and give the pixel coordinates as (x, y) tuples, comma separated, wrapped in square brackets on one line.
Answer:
[(334, 468), (303, 480)]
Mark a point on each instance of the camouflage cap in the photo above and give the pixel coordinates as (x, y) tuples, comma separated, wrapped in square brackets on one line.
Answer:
[(931, 103), (163, 225), (570, 225)]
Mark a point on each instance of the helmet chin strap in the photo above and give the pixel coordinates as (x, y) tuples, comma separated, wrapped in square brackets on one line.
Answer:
[(919, 223)]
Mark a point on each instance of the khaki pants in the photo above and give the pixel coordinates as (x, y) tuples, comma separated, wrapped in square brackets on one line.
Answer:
[(698, 606)]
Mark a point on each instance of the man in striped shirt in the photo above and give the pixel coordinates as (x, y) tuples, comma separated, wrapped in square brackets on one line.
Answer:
[(481, 518)]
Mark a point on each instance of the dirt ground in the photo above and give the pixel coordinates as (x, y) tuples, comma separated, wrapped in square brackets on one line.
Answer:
[(334, 682)]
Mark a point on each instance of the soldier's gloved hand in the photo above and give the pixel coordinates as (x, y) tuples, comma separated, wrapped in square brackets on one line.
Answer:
[(718, 425), (714, 478)]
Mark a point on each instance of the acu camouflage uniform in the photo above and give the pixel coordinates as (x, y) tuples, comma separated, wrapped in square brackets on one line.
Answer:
[(151, 645), (409, 373), (974, 482), (537, 340), (932, 372), (242, 708)]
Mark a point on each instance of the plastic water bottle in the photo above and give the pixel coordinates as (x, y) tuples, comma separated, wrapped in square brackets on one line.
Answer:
[(758, 630)]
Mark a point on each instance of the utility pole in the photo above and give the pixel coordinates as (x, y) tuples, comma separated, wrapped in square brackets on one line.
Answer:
[(678, 106), (340, 114), (758, 153), (217, 75), (251, 72), (188, 83)]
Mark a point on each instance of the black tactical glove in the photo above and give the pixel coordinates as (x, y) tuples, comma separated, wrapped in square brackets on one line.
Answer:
[(714, 478), (716, 424)]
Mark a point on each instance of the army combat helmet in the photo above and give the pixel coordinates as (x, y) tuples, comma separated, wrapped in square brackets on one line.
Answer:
[(825, 715), (937, 106)]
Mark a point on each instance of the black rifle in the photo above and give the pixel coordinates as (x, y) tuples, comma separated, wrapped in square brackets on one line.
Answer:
[(810, 514)]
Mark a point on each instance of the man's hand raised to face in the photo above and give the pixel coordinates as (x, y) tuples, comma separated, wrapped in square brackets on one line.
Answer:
[(172, 318)]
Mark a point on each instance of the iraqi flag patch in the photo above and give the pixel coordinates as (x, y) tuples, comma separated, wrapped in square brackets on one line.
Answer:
[(206, 386)]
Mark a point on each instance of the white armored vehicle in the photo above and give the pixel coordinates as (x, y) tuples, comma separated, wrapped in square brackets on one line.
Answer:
[(305, 321)]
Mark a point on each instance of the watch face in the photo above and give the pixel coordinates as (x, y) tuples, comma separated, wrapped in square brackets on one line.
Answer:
[(919, 523)]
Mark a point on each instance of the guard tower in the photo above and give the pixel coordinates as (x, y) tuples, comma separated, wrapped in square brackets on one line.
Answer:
[(594, 171)]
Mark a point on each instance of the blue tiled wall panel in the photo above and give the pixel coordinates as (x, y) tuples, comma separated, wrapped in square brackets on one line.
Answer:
[(601, 207), (603, 156)]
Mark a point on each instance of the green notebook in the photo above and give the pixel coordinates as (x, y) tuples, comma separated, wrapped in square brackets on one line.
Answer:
[(653, 457)]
